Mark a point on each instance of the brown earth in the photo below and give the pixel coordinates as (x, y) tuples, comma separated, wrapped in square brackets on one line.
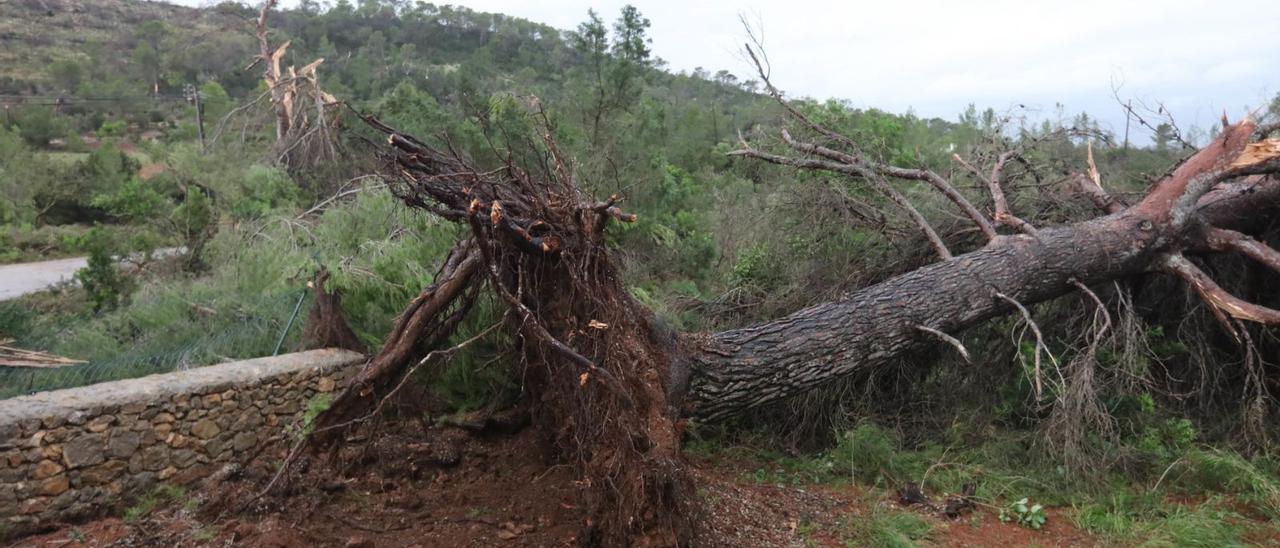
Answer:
[(452, 487)]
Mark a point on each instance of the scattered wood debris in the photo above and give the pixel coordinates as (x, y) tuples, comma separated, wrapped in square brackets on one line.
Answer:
[(12, 356)]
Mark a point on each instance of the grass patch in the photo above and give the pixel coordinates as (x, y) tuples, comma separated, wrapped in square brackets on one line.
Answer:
[(148, 503), (1148, 520), (889, 528)]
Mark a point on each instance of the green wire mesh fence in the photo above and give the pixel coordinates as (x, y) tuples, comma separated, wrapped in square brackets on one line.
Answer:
[(273, 326)]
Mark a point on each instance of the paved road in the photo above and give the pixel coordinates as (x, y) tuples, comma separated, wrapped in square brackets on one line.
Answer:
[(17, 280)]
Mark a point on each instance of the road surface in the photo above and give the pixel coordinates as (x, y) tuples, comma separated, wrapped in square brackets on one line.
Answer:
[(20, 279), (17, 280)]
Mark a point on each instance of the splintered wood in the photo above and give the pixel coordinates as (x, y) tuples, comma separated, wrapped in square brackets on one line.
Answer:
[(11, 356)]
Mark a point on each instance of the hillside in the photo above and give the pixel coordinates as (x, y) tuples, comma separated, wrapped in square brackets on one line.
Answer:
[(97, 35)]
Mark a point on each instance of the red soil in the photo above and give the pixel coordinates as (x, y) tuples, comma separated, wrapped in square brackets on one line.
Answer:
[(448, 487)]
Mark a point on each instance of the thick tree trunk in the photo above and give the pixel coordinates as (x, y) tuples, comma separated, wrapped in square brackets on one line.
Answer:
[(729, 372)]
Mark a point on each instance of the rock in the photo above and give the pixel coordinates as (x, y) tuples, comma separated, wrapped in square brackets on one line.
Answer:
[(33, 506), (163, 429), (33, 441), (212, 400), (123, 444), (12, 475), (167, 473), (244, 441), (155, 457), (326, 384), (63, 502), (46, 469), (53, 422), (103, 473), (101, 424), (205, 429), (162, 418), (8, 431), (85, 450), (52, 452), (214, 446), (133, 408), (183, 458), (29, 426), (57, 435), (54, 486), (177, 441)]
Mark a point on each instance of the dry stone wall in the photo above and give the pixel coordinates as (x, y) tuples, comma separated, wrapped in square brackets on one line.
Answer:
[(71, 454)]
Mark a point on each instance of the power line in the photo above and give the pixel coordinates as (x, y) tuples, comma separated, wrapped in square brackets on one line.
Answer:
[(65, 99)]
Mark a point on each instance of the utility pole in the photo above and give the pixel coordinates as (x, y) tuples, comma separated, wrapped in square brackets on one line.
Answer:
[(193, 97), (1128, 109)]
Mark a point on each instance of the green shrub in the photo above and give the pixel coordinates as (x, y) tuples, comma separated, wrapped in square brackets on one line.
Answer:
[(263, 189), (112, 128), (133, 201), (101, 278), (1025, 513), (195, 222)]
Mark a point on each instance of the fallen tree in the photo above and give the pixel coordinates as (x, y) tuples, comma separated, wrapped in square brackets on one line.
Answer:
[(609, 385)]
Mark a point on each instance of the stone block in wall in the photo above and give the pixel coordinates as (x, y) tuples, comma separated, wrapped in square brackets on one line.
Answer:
[(123, 444), (84, 450)]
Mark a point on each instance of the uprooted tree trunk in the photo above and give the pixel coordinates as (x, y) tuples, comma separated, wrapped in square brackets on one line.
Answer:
[(610, 385), (594, 362)]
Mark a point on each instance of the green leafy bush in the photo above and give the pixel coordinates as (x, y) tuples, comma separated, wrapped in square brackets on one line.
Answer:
[(133, 201), (101, 278), (112, 128), (261, 190)]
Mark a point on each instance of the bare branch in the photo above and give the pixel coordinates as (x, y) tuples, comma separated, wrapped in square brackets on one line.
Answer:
[(877, 182), (959, 346), (1035, 329), (857, 157), (1002, 216), (1218, 299), (1221, 239)]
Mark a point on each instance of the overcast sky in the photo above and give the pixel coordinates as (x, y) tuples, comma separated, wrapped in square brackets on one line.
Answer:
[(1198, 58)]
